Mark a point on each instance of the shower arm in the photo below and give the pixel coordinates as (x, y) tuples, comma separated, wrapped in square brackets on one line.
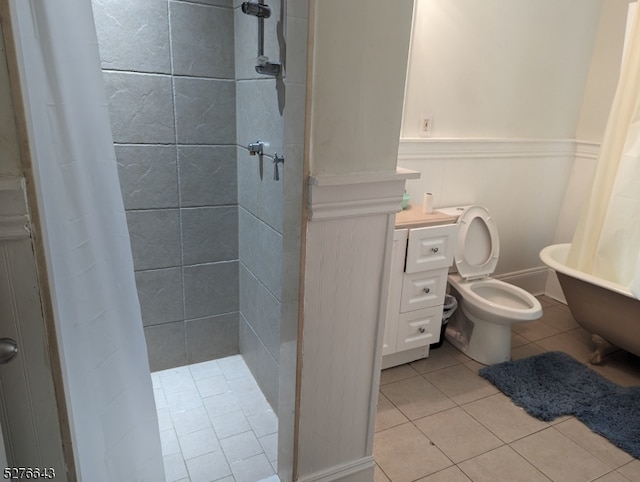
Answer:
[(261, 11)]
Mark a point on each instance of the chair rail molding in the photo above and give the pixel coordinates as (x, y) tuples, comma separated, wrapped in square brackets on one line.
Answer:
[(14, 217), (335, 197), (587, 150), (469, 148)]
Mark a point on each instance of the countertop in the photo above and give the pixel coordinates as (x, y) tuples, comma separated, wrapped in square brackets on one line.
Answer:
[(413, 217)]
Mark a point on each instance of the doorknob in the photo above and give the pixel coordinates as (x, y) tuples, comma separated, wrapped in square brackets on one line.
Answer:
[(8, 350)]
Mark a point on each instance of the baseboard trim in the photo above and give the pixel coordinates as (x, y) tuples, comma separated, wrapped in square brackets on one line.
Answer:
[(532, 280), (406, 356), (341, 472), (553, 289)]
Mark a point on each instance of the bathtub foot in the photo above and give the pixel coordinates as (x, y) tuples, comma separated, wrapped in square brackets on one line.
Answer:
[(603, 348)]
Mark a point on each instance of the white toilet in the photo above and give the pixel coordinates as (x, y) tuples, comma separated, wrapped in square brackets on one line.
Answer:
[(481, 327)]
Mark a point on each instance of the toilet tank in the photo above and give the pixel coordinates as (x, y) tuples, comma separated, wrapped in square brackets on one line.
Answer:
[(454, 211)]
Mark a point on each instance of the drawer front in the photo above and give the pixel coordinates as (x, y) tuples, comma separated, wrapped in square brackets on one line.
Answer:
[(423, 290), (431, 247), (395, 291), (419, 328)]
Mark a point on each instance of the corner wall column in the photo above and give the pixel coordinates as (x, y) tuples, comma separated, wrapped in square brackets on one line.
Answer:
[(349, 235)]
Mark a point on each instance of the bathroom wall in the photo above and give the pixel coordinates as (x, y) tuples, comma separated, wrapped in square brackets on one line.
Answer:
[(498, 68), (598, 96), (349, 88), (503, 83), (603, 71), (169, 75), (260, 108)]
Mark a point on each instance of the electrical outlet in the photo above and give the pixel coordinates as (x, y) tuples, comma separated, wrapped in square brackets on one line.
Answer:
[(426, 125)]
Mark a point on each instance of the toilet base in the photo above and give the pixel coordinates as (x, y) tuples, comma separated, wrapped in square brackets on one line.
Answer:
[(485, 342)]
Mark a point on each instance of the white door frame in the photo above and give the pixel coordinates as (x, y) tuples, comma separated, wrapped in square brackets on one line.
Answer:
[(33, 415)]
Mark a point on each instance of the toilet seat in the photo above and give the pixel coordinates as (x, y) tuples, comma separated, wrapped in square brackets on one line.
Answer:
[(478, 245), (504, 302)]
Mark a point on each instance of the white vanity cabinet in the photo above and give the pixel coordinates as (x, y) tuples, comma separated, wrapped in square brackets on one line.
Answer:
[(423, 246)]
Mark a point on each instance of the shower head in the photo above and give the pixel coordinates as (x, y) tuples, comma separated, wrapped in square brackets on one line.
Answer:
[(256, 9)]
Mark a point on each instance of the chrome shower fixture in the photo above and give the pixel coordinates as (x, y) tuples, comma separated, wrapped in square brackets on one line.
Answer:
[(256, 148), (261, 11), (267, 68), (277, 160), (256, 9)]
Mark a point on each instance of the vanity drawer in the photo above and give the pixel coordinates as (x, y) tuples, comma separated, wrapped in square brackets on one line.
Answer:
[(423, 290), (419, 328), (430, 247)]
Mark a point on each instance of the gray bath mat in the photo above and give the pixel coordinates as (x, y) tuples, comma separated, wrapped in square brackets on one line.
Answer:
[(553, 384)]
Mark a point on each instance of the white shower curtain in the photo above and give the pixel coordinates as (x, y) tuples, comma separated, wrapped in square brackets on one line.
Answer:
[(607, 239), (114, 427)]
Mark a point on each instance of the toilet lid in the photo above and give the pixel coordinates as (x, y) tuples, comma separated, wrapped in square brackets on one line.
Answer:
[(478, 244)]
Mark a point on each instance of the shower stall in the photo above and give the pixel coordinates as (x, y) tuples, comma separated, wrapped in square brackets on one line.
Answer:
[(204, 216), (203, 236)]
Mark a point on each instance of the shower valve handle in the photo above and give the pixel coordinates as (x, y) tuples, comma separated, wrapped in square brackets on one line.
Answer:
[(277, 160)]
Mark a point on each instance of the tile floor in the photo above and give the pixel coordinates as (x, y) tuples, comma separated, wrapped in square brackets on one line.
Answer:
[(439, 421), (215, 424)]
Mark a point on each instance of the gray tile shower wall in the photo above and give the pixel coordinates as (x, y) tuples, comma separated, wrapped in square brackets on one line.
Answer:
[(198, 166), (169, 73), (141, 107), (148, 176), (259, 116), (202, 40), (203, 110), (133, 36)]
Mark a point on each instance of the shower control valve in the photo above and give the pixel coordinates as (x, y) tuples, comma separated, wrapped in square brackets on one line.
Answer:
[(256, 148)]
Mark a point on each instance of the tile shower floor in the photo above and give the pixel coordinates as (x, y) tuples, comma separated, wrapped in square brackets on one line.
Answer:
[(438, 421), (215, 423)]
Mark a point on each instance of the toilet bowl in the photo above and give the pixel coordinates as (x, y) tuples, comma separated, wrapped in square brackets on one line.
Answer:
[(481, 327)]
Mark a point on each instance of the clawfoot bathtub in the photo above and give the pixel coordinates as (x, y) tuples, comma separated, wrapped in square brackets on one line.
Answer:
[(606, 310)]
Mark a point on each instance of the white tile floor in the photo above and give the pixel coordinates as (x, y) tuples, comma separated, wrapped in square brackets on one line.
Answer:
[(439, 421), (215, 423)]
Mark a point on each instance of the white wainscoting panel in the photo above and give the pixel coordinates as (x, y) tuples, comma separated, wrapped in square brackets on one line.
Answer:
[(579, 185), (523, 183), (577, 189), (29, 415), (346, 273)]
